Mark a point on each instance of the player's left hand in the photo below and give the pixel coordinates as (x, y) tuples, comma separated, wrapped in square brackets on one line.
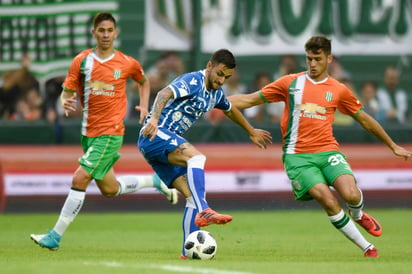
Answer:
[(261, 138)]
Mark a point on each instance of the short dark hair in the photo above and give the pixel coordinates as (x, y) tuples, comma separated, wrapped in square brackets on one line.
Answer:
[(317, 43), (225, 57), (103, 16)]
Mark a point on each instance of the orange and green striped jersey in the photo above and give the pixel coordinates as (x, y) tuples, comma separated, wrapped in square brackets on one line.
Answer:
[(101, 87), (306, 123)]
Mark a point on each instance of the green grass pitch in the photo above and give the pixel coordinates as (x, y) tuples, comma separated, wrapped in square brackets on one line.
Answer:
[(284, 241)]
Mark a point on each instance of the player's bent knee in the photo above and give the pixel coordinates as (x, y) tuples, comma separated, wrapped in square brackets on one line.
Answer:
[(197, 161), (108, 194)]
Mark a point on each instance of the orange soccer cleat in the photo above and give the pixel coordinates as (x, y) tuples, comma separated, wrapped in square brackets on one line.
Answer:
[(370, 225), (371, 252), (209, 216)]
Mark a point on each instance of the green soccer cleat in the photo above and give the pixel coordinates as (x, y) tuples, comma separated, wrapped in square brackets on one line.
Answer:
[(51, 240)]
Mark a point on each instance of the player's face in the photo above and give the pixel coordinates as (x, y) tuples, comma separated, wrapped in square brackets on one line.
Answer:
[(217, 75), (318, 64), (105, 33)]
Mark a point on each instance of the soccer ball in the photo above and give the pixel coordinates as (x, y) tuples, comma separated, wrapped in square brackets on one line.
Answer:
[(200, 245)]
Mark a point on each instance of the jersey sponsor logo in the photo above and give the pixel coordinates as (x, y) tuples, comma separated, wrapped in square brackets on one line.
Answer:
[(100, 88), (311, 110), (185, 123), (117, 73), (193, 111)]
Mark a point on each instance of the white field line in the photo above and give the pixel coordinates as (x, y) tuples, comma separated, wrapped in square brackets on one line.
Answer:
[(166, 267)]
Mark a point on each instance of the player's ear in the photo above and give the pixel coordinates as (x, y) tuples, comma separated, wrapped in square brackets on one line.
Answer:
[(330, 58)]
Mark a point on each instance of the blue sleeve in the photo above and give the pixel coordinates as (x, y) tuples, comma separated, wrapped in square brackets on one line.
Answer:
[(185, 85), (223, 104)]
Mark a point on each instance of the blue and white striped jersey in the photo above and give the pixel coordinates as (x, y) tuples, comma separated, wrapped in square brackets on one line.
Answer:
[(191, 100)]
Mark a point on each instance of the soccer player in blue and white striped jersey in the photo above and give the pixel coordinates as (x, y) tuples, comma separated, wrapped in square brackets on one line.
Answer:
[(177, 162)]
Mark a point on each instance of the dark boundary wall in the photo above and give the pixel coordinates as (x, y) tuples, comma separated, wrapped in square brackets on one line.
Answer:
[(228, 201)]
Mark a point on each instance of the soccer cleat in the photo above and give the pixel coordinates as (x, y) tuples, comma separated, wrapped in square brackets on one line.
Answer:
[(51, 240), (209, 216), (170, 193), (172, 196), (371, 252), (183, 257), (370, 225)]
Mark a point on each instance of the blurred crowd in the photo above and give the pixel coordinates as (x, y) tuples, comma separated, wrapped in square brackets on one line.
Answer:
[(22, 98)]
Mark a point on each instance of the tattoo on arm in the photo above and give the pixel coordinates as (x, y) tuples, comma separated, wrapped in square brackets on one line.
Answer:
[(160, 102)]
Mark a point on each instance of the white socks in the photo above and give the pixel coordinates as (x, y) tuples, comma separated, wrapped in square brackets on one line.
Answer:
[(345, 225), (132, 183), (71, 208)]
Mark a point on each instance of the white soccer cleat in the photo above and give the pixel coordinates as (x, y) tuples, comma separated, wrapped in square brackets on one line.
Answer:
[(170, 193), (172, 196)]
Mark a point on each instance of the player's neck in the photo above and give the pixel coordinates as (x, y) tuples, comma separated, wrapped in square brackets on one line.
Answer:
[(103, 53), (318, 78)]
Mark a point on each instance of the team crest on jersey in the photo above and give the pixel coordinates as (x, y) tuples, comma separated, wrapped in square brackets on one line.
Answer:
[(177, 116), (117, 73), (328, 96)]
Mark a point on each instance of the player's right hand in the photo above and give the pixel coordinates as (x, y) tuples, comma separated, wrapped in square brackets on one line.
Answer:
[(150, 129), (261, 138), (68, 101)]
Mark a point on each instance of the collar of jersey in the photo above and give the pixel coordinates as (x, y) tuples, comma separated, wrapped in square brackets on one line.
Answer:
[(103, 60), (316, 83)]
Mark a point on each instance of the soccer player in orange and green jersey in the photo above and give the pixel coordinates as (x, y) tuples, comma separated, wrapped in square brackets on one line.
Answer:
[(98, 78), (311, 158), (101, 86)]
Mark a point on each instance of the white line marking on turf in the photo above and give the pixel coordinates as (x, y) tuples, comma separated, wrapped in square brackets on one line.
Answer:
[(167, 267)]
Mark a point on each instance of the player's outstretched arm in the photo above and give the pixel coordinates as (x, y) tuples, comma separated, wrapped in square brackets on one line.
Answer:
[(259, 137), (372, 126), (144, 93), (242, 101)]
